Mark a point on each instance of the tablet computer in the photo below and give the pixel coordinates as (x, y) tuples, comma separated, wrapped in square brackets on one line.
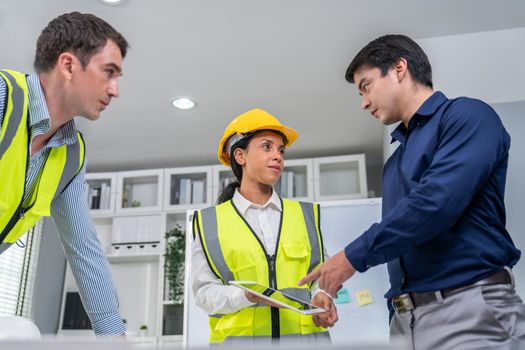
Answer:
[(278, 297)]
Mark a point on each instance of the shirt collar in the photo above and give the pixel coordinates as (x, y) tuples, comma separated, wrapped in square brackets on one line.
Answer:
[(431, 105), (39, 120), (426, 110), (244, 204)]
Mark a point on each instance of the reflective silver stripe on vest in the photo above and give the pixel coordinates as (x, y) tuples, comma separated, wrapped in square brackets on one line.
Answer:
[(4, 247), (211, 236), (311, 227), (71, 166), (292, 339), (220, 315), (16, 114), (299, 293)]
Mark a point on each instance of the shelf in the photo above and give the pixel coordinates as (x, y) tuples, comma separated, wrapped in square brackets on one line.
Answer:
[(100, 192), (133, 258), (340, 178), (140, 191), (296, 181), (188, 187)]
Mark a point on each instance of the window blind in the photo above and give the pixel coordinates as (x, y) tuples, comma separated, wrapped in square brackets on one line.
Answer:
[(18, 272)]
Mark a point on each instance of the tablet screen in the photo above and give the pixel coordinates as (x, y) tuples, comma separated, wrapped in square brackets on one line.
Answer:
[(285, 300)]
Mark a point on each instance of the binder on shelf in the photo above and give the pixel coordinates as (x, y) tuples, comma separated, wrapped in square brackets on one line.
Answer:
[(174, 192), (283, 190), (95, 198), (197, 191), (104, 196), (289, 184), (185, 191)]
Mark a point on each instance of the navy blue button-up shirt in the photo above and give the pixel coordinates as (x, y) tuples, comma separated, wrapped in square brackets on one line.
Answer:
[(443, 219)]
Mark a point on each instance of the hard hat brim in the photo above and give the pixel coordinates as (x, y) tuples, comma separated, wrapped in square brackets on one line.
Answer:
[(290, 134)]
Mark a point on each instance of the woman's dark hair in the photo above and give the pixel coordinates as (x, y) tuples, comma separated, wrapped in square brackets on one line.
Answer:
[(385, 51), (83, 34), (228, 192)]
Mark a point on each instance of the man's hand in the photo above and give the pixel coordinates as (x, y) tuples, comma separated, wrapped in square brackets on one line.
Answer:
[(332, 274), (258, 300), (326, 319)]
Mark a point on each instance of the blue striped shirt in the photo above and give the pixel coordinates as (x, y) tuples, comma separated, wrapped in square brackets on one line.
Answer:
[(72, 218)]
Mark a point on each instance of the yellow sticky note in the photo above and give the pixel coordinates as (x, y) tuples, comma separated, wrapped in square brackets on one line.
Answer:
[(364, 297)]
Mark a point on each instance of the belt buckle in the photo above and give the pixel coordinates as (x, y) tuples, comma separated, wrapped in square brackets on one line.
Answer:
[(403, 303)]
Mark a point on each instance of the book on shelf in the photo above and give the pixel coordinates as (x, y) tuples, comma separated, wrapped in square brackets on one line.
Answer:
[(185, 191), (289, 184), (95, 198), (174, 193), (105, 196), (197, 191)]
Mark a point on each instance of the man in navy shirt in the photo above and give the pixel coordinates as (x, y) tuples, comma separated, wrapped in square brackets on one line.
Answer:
[(443, 228)]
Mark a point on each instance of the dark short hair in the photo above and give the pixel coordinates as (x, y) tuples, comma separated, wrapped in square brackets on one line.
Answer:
[(82, 34), (386, 50)]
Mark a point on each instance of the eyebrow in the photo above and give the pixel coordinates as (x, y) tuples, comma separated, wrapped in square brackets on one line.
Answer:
[(272, 142)]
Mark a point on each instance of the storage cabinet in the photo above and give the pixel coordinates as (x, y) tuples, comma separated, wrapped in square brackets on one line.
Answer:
[(187, 188), (341, 177), (222, 177), (139, 191), (100, 192), (133, 210), (296, 180)]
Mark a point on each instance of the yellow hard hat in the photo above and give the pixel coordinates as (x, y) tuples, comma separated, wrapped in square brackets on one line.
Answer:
[(255, 119)]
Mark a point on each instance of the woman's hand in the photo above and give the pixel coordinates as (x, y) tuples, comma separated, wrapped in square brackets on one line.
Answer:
[(258, 300), (328, 318)]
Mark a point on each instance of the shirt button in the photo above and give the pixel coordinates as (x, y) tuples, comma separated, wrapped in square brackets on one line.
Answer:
[(368, 266), (403, 280)]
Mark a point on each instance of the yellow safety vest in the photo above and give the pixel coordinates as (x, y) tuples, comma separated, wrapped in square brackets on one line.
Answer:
[(234, 252), (62, 165)]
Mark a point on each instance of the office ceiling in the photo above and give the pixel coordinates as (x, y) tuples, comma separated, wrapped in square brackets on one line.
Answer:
[(286, 56)]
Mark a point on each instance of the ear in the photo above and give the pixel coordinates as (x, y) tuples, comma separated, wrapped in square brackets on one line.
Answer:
[(401, 69), (66, 64), (240, 156)]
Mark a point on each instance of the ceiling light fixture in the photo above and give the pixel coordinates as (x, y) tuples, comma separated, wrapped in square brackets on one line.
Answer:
[(112, 2), (183, 103)]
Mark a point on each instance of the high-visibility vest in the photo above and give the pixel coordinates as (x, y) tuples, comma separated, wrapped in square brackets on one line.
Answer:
[(234, 252), (62, 165)]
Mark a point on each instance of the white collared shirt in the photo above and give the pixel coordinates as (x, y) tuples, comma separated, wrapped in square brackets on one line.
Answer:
[(209, 292)]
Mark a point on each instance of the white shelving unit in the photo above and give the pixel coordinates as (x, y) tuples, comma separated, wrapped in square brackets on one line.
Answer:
[(339, 178), (139, 191), (100, 191), (187, 188), (296, 181), (145, 204), (222, 176)]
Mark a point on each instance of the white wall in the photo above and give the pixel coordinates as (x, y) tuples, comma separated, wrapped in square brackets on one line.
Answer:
[(512, 115), (486, 65)]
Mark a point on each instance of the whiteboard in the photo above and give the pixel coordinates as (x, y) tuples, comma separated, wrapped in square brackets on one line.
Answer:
[(341, 222)]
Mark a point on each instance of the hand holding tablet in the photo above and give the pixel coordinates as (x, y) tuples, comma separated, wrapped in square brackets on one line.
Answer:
[(278, 298)]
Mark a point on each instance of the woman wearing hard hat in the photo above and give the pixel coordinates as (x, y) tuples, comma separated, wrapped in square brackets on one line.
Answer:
[(253, 234)]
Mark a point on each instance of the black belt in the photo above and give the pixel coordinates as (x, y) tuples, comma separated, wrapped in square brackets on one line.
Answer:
[(409, 301)]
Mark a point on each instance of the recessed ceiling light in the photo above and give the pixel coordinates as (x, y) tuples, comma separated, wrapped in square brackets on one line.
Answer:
[(112, 2), (183, 103)]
